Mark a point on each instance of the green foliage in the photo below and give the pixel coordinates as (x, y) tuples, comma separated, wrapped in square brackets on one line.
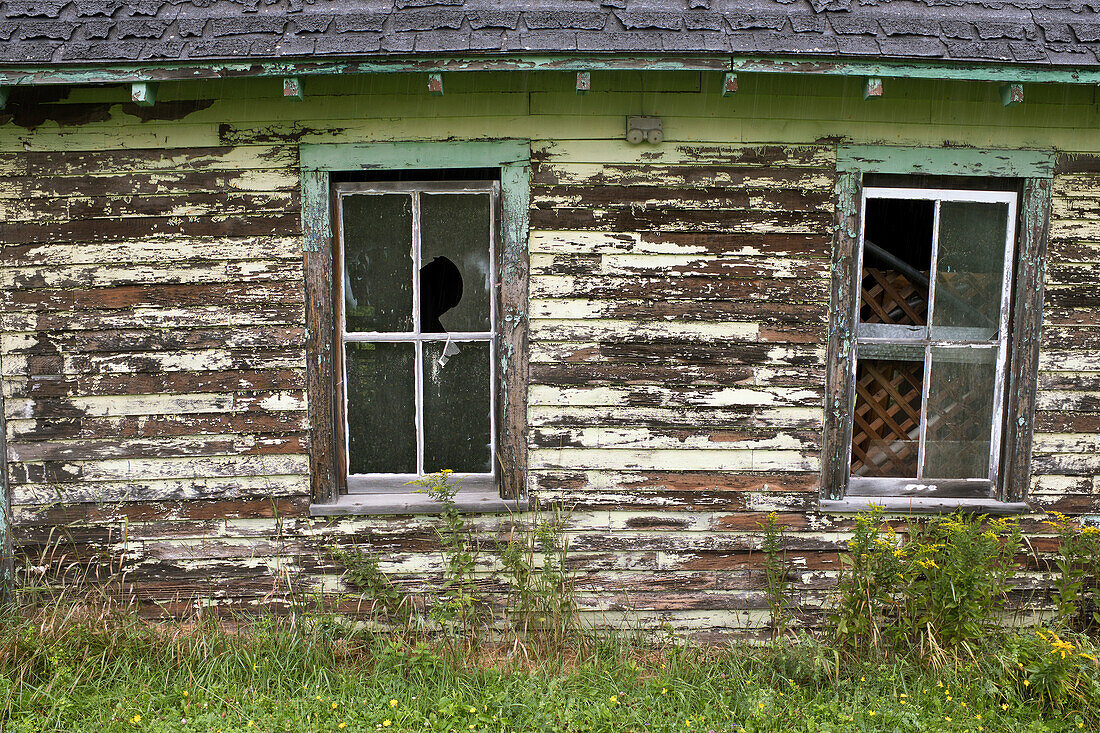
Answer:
[(942, 588), (65, 670), (362, 571), (777, 574), (456, 608), (1077, 584), (542, 599), (1058, 672)]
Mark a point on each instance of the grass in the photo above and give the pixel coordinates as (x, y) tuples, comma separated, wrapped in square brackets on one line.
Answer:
[(76, 669)]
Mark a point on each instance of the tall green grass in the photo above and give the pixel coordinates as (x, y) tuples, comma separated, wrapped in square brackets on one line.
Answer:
[(94, 668)]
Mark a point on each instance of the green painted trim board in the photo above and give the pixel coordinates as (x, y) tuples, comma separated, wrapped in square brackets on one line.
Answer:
[(946, 161)]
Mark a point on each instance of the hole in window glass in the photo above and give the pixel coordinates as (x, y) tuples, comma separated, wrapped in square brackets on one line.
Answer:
[(456, 226), (886, 427)]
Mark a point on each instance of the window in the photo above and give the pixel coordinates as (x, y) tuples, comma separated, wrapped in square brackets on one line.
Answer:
[(416, 272), (935, 314), (416, 316), (931, 341)]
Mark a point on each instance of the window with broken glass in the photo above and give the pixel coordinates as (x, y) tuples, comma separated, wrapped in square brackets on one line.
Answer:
[(415, 318), (931, 342)]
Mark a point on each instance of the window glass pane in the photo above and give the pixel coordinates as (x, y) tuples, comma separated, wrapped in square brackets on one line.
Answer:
[(381, 410), (456, 408), (960, 413), (969, 270), (886, 426), (455, 277), (378, 291), (897, 257)]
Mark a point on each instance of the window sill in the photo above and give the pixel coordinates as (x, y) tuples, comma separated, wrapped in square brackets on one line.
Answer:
[(923, 505), (467, 502)]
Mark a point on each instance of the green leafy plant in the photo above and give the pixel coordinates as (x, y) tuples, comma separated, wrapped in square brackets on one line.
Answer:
[(777, 574), (942, 587), (542, 598), (1077, 583), (456, 608), (363, 572), (1058, 671)]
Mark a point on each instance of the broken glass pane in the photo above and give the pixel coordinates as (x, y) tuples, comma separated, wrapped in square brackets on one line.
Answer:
[(455, 276), (457, 431), (381, 411), (886, 425), (969, 270), (960, 412), (897, 257), (377, 262)]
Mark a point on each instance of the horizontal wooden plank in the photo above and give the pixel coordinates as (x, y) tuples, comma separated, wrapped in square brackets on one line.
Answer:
[(620, 152), (120, 182), (681, 418), (61, 209), (105, 230), (682, 375), (672, 200), (177, 510), (171, 296), (613, 219), (792, 315), (255, 421), (642, 438), (76, 162), (681, 176), (674, 351), (138, 340), (154, 362), (647, 395), (153, 404), (197, 316), (628, 330), (741, 244), (148, 251), (82, 450), (148, 487), (39, 386), (670, 266), (790, 290), (86, 472)]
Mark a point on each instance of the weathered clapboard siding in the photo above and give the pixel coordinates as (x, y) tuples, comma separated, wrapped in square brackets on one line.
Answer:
[(151, 335)]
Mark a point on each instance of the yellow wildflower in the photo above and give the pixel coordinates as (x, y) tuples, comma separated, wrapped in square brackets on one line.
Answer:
[(250, 724), (136, 719), (333, 706), (393, 703), (387, 723), (186, 693), (613, 700), (342, 725), (473, 710), (664, 690)]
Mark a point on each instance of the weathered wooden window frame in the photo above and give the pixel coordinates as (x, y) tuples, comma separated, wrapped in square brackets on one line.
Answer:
[(398, 482), (318, 162), (1035, 169)]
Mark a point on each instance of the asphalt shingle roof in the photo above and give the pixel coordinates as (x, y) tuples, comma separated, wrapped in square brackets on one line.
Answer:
[(1037, 32)]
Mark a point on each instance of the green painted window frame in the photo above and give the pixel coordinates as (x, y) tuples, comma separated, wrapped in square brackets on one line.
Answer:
[(1035, 168), (317, 163)]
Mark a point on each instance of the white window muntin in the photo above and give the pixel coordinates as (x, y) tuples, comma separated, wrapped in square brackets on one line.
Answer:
[(397, 482), (877, 338)]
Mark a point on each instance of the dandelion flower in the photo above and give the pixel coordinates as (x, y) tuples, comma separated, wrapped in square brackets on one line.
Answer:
[(387, 723), (186, 693), (1026, 683), (1004, 706), (473, 710), (393, 703), (250, 724), (664, 690), (136, 719)]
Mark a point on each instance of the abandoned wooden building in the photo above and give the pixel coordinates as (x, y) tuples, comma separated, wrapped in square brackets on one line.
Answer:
[(670, 267)]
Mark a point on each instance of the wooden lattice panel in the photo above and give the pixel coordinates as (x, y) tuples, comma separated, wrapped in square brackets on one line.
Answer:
[(887, 296), (886, 424)]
